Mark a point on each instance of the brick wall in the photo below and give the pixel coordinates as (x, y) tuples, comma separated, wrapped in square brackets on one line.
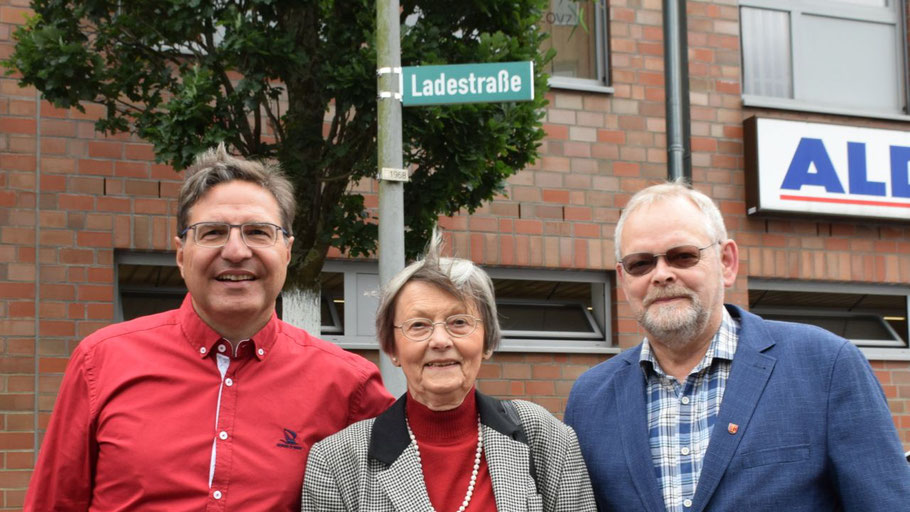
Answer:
[(58, 231), (92, 194), (542, 378), (561, 212)]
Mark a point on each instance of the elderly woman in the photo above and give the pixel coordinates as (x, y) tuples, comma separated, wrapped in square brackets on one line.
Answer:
[(443, 445)]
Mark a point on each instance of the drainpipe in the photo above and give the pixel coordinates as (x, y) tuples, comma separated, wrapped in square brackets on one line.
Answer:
[(905, 14), (676, 79)]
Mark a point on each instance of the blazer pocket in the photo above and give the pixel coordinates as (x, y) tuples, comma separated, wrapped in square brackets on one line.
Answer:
[(779, 455), (535, 503)]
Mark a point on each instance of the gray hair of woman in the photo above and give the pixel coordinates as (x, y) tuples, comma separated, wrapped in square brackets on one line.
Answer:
[(458, 277)]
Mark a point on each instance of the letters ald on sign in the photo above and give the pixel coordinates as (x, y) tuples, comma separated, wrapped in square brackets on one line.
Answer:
[(467, 83), (826, 169)]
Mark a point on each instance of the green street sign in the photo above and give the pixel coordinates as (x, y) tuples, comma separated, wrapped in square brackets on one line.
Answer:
[(467, 83)]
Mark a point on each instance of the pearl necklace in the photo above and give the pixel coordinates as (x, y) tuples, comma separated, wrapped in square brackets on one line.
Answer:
[(467, 496)]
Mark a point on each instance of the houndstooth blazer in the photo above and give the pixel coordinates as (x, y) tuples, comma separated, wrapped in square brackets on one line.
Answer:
[(368, 468)]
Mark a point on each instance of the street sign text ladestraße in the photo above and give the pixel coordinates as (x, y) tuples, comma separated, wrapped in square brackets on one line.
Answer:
[(467, 83)]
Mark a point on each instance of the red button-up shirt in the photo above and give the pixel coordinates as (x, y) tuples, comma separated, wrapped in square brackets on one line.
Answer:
[(160, 413)]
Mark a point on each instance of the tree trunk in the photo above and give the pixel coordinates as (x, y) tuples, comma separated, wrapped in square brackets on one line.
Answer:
[(300, 308)]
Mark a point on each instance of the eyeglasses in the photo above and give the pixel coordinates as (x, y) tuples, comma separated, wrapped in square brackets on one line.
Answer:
[(684, 256), (420, 329), (256, 235)]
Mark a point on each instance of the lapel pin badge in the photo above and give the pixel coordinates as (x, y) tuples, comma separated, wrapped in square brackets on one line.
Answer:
[(732, 428)]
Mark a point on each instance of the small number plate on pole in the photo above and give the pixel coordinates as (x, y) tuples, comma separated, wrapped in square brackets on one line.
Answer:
[(392, 174)]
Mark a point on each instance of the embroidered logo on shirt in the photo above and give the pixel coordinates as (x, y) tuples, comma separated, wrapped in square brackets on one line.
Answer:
[(289, 441)]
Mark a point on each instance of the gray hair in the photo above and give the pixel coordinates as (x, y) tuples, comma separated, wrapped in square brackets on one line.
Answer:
[(216, 166), (457, 277), (714, 221)]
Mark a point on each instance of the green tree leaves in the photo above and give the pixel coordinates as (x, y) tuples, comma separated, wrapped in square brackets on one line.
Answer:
[(294, 80)]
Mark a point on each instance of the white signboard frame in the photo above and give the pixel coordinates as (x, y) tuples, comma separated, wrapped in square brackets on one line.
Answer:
[(826, 169)]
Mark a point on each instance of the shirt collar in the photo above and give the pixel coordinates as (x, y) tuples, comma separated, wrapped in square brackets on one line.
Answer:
[(722, 347), (389, 435), (203, 338)]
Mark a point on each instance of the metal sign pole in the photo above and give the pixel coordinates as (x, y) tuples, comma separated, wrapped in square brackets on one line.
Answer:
[(425, 85), (391, 174)]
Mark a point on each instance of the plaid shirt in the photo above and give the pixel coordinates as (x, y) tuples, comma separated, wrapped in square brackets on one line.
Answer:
[(681, 416)]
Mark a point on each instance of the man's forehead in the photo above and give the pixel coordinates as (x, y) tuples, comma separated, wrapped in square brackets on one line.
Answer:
[(672, 201), (234, 185), (239, 194), (672, 219)]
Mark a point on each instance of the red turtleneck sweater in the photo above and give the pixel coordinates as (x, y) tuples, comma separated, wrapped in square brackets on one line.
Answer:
[(447, 442)]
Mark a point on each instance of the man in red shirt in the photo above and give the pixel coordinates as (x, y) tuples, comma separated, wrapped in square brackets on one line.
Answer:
[(212, 406)]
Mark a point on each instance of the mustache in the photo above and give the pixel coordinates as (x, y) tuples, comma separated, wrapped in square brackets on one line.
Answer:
[(668, 293)]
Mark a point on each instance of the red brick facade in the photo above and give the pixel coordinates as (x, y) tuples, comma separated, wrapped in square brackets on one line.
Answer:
[(69, 197)]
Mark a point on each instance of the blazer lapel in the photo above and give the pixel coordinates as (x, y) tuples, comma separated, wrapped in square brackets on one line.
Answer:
[(749, 375), (507, 461), (506, 453), (508, 456), (403, 483), (629, 392)]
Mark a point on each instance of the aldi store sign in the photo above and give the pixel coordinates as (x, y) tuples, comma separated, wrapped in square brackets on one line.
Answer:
[(826, 169)]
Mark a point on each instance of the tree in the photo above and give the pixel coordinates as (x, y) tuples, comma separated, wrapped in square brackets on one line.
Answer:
[(294, 80)]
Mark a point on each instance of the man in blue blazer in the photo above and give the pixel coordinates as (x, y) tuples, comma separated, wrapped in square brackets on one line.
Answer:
[(718, 409)]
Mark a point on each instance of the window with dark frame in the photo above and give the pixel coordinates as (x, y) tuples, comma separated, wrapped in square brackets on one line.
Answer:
[(868, 318), (149, 283), (539, 310)]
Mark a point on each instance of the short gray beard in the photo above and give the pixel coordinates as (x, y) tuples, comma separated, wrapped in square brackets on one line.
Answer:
[(674, 328)]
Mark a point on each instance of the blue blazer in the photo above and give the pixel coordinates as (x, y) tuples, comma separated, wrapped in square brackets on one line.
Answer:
[(813, 429)]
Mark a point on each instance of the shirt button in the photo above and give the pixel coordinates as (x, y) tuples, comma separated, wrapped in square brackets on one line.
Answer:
[(216, 495), (260, 351), (684, 451), (202, 350), (223, 435), (228, 382), (684, 400), (687, 503), (221, 348)]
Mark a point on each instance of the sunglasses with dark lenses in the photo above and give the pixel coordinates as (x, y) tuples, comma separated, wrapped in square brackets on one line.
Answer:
[(684, 256)]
